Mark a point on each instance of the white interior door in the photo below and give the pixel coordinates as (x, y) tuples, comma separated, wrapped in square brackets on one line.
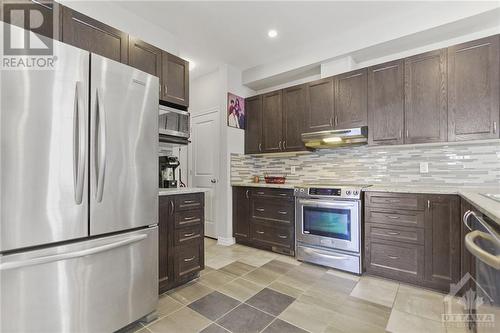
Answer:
[(205, 163)]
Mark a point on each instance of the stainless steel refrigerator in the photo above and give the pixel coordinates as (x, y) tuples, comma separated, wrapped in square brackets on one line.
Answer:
[(79, 198)]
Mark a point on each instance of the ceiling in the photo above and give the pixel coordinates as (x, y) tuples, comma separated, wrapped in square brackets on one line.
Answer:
[(211, 33)]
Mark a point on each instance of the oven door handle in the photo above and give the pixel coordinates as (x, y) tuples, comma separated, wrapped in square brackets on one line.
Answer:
[(486, 257), (323, 203)]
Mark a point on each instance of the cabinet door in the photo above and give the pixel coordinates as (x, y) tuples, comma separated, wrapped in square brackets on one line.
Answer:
[(144, 56), (319, 105), (426, 97), (350, 100), (294, 104), (165, 219), (442, 241), (174, 80), (272, 122), (386, 103), (241, 213), (473, 93), (253, 131), (91, 35), (47, 24)]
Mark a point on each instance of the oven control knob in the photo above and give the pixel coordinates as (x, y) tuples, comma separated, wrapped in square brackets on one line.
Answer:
[(355, 192), (348, 192), (301, 190)]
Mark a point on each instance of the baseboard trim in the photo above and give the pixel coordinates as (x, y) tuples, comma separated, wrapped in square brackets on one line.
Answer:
[(225, 241)]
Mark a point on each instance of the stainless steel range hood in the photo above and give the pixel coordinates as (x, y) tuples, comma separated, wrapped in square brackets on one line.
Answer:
[(336, 138)]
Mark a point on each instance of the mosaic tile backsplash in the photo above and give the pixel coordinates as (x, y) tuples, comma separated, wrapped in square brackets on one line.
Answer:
[(467, 164)]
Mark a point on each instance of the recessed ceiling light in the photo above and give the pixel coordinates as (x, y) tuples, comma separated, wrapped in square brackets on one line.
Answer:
[(272, 33)]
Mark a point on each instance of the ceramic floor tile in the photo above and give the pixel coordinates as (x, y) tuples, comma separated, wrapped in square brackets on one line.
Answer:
[(216, 279), (245, 319), (214, 305), (183, 321), (285, 289), (214, 328), (167, 305), (329, 282), (344, 275), (190, 292), (206, 270), (257, 259), (237, 268), (288, 259), (261, 276), (240, 289), (300, 277), (374, 315), (420, 302), (270, 301), (376, 290), (346, 324), (280, 326), (402, 322), (310, 317), (328, 301), (278, 266), (218, 262), (133, 328)]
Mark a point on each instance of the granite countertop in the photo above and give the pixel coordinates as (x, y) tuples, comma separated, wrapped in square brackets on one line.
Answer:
[(286, 185), (181, 190)]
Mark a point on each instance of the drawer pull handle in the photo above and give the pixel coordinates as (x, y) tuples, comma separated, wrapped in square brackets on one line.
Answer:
[(283, 194), (187, 218), (282, 212), (260, 232), (189, 235), (393, 257), (392, 233), (283, 236), (393, 217), (189, 201), (260, 209), (239, 234), (260, 193), (189, 259)]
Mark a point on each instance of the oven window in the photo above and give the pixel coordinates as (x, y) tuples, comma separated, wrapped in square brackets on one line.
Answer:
[(327, 222)]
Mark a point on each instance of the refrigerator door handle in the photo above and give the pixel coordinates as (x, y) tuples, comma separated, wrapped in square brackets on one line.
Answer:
[(100, 145), (71, 255), (79, 144)]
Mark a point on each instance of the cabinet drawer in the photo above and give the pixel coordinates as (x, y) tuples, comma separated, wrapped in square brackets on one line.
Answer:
[(188, 259), (272, 192), (408, 218), (400, 261), (188, 235), (395, 233), (273, 211), (273, 235), (189, 201), (188, 218), (395, 200)]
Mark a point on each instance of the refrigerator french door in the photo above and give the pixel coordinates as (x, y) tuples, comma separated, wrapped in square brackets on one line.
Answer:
[(79, 200)]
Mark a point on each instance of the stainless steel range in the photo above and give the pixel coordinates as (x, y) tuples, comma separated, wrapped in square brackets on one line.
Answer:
[(328, 225)]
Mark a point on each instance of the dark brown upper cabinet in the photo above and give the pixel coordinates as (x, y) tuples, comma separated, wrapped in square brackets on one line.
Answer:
[(350, 100), (174, 80), (44, 23), (442, 241), (94, 36), (319, 105), (473, 90), (253, 130), (144, 56), (294, 105), (426, 97), (386, 103), (272, 122)]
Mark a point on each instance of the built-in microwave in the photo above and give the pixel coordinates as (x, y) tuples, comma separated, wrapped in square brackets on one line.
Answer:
[(173, 125)]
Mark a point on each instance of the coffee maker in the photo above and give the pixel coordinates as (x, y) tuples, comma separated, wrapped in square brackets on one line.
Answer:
[(168, 164)]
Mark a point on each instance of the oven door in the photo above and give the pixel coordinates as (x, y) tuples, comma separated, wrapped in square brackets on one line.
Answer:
[(329, 223)]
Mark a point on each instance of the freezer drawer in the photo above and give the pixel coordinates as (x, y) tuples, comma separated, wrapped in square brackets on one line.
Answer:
[(99, 285)]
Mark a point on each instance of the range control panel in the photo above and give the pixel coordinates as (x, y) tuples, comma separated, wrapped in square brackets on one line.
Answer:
[(333, 192)]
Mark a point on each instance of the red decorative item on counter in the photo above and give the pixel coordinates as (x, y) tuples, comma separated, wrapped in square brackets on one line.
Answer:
[(274, 179)]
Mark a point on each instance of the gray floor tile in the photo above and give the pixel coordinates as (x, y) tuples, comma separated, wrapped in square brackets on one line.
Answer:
[(214, 328), (214, 305), (245, 319), (270, 301), (280, 326)]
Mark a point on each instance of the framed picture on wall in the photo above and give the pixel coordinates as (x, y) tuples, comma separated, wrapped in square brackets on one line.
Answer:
[(235, 111)]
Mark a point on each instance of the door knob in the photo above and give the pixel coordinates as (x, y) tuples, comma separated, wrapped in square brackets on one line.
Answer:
[(213, 181)]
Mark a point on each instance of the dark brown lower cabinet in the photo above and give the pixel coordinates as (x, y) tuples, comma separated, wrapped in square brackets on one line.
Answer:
[(413, 238), (264, 218), (181, 242)]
